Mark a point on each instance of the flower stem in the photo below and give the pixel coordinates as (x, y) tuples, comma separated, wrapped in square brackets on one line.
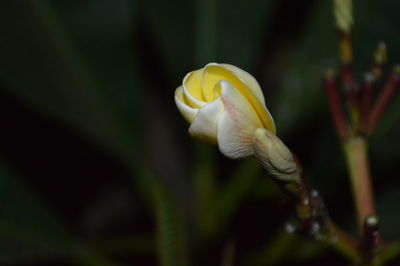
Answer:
[(344, 244), (384, 99), (331, 89), (355, 149)]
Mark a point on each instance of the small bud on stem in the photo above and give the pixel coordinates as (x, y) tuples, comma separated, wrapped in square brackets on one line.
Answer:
[(371, 237), (343, 13), (380, 59)]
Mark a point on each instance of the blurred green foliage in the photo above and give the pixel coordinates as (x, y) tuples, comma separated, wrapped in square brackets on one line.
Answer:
[(97, 167)]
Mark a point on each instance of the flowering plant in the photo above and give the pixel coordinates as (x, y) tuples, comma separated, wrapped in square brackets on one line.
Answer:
[(225, 106)]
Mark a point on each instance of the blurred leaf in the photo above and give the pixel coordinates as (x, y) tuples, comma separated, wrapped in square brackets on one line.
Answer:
[(266, 189), (275, 252), (102, 31), (206, 31), (228, 253), (172, 243), (209, 30), (241, 29), (173, 30), (301, 99), (236, 190), (51, 76), (284, 248), (30, 231), (139, 244), (389, 253), (215, 211), (387, 212), (205, 188), (309, 250)]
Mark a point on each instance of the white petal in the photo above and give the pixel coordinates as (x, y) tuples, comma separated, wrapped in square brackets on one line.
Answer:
[(204, 126), (215, 73), (187, 112), (236, 124), (247, 78), (212, 64)]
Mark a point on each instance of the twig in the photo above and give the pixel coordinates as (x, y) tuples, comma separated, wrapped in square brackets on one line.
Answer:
[(355, 150), (365, 101), (331, 89), (371, 238), (384, 99)]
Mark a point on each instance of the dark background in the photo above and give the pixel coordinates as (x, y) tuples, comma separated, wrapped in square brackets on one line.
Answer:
[(97, 168)]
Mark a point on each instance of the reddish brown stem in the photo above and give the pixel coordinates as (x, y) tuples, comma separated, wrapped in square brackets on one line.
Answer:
[(331, 89), (384, 99), (365, 100), (347, 76), (346, 59), (357, 161), (345, 48), (346, 68), (371, 239)]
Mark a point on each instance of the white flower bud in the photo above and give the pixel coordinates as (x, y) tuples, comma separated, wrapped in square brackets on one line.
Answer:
[(224, 105)]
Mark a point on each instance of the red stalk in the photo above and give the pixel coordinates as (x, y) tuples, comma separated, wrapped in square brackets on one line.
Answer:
[(384, 99), (331, 89)]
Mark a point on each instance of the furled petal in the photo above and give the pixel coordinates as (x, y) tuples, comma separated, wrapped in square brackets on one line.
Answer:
[(250, 81), (204, 126), (187, 112), (236, 124), (214, 73), (210, 79), (192, 88)]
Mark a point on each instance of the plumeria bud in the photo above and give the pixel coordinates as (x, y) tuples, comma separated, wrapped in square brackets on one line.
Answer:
[(224, 106), (274, 156), (343, 12)]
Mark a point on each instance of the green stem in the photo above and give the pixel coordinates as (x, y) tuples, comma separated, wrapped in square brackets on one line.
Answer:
[(344, 244), (355, 149), (387, 253)]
